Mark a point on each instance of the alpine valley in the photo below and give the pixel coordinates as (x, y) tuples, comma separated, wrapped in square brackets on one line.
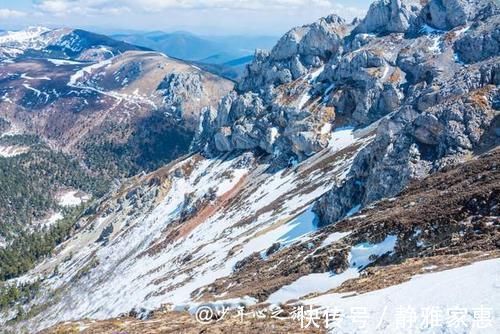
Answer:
[(355, 164)]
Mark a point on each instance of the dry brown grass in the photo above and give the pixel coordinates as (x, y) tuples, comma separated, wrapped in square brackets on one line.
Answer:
[(166, 322)]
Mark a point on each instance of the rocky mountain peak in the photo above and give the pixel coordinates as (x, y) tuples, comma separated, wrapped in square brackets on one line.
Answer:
[(299, 50), (396, 72)]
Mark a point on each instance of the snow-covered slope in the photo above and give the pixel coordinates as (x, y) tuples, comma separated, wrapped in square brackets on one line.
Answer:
[(165, 235), (225, 231), (453, 301)]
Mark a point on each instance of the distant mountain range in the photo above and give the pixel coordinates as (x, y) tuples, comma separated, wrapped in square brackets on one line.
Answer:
[(209, 49), (229, 53)]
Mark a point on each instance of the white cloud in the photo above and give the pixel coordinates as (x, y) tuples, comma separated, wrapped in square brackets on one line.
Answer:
[(60, 7), (6, 13), (155, 5), (81, 7), (198, 16)]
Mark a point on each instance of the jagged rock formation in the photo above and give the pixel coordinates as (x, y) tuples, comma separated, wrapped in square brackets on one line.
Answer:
[(389, 16), (427, 72), (296, 52), (445, 112), (256, 118)]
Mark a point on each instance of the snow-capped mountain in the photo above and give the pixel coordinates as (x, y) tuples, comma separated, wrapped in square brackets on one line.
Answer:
[(60, 43), (355, 166)]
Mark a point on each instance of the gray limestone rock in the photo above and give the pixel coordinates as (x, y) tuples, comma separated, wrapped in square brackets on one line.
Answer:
[(448, 14), (389, 16), (298, 50)]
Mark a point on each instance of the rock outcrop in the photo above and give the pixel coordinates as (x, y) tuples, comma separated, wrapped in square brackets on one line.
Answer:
[(243, 122), (449, 14), (389, 16), (176, 88), (479, 42), (296, 52)]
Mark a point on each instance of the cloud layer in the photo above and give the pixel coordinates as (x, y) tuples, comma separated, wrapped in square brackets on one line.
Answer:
[(6, 13), (266, 17), (62, 7)]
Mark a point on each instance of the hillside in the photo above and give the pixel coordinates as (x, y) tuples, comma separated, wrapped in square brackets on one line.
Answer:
[(79, 111), (430, 251)]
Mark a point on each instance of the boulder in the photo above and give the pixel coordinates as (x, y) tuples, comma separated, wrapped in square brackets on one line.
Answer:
[(479, 42)]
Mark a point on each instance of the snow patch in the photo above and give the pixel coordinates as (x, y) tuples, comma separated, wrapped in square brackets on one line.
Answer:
[(362, 254), (27, 77), (73, 80), (54, 218), (12, 151), (359, 256), (312, 283), (303, 100), (72, 198), (334, 237), (457, 288), (341, 138), (353, 211), (62, 62), (314, 75)]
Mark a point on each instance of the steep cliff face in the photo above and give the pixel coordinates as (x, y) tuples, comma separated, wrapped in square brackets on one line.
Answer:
[(448, 105)]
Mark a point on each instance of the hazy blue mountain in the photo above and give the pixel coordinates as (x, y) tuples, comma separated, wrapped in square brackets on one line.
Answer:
[(239, 61), (209, 49)]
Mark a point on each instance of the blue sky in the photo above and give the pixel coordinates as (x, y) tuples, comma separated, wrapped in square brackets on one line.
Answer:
[(221, 17)]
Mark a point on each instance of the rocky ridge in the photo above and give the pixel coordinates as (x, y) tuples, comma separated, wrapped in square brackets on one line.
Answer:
[(427, 72)]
